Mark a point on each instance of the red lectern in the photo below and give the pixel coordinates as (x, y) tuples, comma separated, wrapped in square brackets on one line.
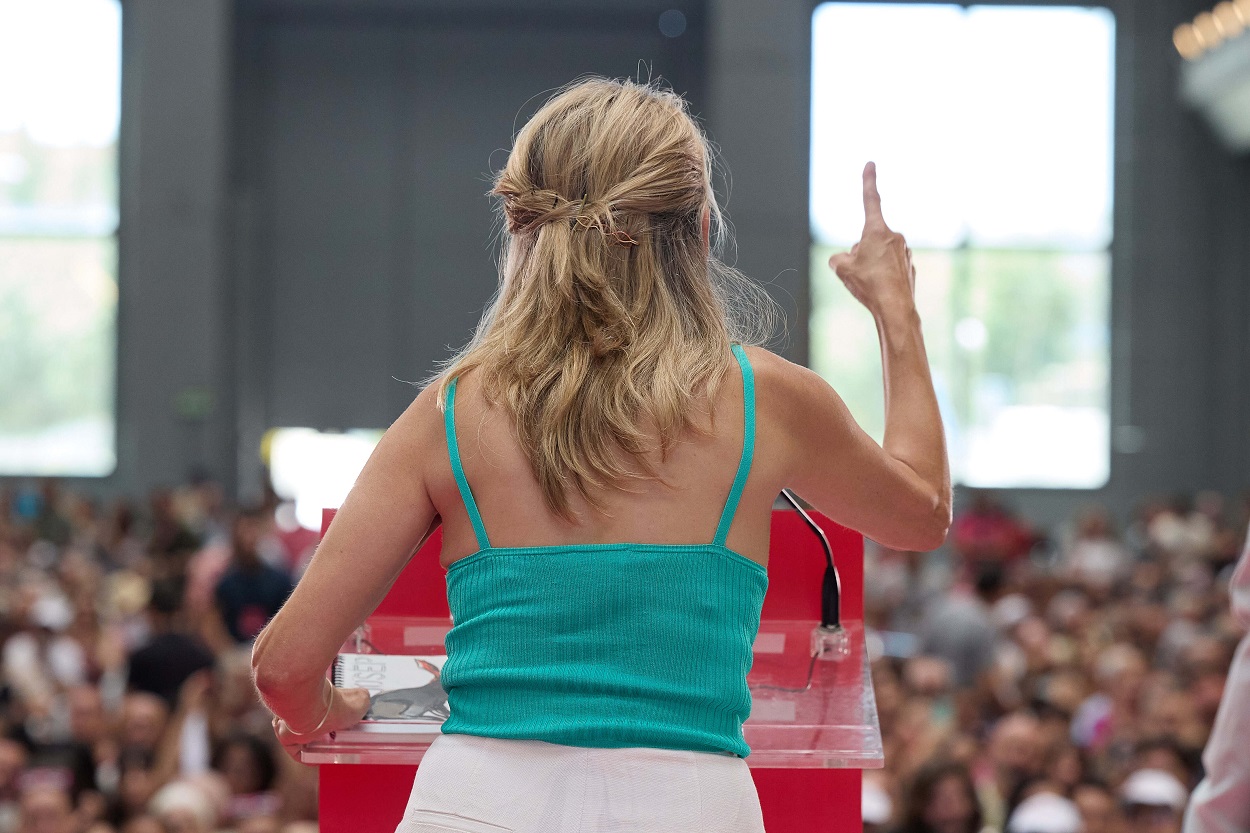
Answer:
[(808, 742)]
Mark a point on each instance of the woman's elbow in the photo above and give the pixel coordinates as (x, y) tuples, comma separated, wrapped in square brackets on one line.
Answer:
[(265, 675), (933, 538), (928, 532), (941, 518), (270, 671)]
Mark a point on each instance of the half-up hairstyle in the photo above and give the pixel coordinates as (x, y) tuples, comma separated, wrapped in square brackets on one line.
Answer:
[(613, 321)]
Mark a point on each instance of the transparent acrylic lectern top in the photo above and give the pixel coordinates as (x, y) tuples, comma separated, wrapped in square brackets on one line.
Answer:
[(831, 723)]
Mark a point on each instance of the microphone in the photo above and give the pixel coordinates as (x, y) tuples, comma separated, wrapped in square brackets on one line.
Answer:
[(829, 640), (828, 636)]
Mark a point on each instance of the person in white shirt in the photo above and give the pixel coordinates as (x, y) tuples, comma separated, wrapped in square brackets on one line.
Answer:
[(1221, 802)]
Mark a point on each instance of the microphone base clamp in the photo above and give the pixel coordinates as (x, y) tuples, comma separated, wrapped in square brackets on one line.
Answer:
[(830, 642)]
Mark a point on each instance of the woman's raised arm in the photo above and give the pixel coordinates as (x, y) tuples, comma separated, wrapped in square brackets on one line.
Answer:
[(898, 493)]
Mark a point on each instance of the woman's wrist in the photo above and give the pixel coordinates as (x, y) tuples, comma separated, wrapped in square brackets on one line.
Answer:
[(329, 707), (896, 311)]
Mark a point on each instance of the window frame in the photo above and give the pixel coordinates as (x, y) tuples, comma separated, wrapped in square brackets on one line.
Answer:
[(1123, 435), (113, 233)]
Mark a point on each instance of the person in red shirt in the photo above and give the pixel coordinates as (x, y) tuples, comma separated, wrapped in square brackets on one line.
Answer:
[(986, 532)]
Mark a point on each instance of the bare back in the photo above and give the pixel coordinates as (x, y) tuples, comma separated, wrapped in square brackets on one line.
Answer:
[(684, 509)]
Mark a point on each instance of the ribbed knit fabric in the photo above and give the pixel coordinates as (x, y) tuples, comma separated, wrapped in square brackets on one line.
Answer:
[(605, 645)]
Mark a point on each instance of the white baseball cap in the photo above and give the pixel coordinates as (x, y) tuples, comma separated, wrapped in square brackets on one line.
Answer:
[(1154, 787), (1045, 813), (875, 804)]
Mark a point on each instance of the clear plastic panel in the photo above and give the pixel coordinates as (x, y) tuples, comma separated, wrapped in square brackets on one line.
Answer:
[(831, 723)]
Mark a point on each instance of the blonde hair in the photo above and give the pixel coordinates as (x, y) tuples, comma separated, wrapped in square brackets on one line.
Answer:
[(613, 320)]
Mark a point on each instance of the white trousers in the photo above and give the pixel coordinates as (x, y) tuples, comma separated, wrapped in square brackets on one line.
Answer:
[(470, 784)]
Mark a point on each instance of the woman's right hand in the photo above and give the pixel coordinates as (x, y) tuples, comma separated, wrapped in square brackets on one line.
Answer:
[(878, 269), (347, 707)]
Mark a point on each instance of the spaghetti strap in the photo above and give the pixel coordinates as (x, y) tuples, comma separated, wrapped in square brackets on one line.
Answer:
[(748, 447), (457, 468)]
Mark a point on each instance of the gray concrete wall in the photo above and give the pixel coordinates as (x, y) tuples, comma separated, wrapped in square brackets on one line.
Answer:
[(759, 89), (175, 333)]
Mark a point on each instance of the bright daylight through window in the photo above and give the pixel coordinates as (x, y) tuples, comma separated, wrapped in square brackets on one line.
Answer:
[(60, 90), (992, 131)]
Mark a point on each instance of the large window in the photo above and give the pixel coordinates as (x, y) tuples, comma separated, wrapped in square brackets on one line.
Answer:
[(60, 83), (991, 128), (315, 470)]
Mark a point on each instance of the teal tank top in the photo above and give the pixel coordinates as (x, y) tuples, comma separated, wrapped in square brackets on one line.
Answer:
[(605, 645)]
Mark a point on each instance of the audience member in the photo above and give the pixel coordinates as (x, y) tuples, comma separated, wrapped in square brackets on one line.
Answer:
[(171, 654), (251, 591), (960, 629), (1044, 811), (1100, 812), (46, 808), (184, 807), (987, 533), (1012, 756), (941, 799), (1154, 801), (1221, 801), (250, 770), (1095, 557)]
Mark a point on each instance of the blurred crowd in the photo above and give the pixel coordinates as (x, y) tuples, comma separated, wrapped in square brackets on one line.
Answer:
[(1060, 681), (126, 699), (1064, 678)]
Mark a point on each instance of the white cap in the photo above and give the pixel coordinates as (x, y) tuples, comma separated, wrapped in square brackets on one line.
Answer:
[(1156, 788), (875, 804), (1045, 813), (1011, 610), (183, 796), (52, 612)]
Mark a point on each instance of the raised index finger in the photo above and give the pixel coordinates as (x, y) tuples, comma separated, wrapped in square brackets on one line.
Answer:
[(872, 200)]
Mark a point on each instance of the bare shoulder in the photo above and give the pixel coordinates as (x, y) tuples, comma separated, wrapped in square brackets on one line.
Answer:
[(766, 361), (801, 411), (783, 386), (420, 425)]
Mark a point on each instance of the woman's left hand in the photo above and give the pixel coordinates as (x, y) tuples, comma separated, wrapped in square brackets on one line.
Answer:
[(347, 707)]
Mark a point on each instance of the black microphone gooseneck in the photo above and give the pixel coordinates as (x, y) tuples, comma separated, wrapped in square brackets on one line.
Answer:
[(828, 638), (831, 588)]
